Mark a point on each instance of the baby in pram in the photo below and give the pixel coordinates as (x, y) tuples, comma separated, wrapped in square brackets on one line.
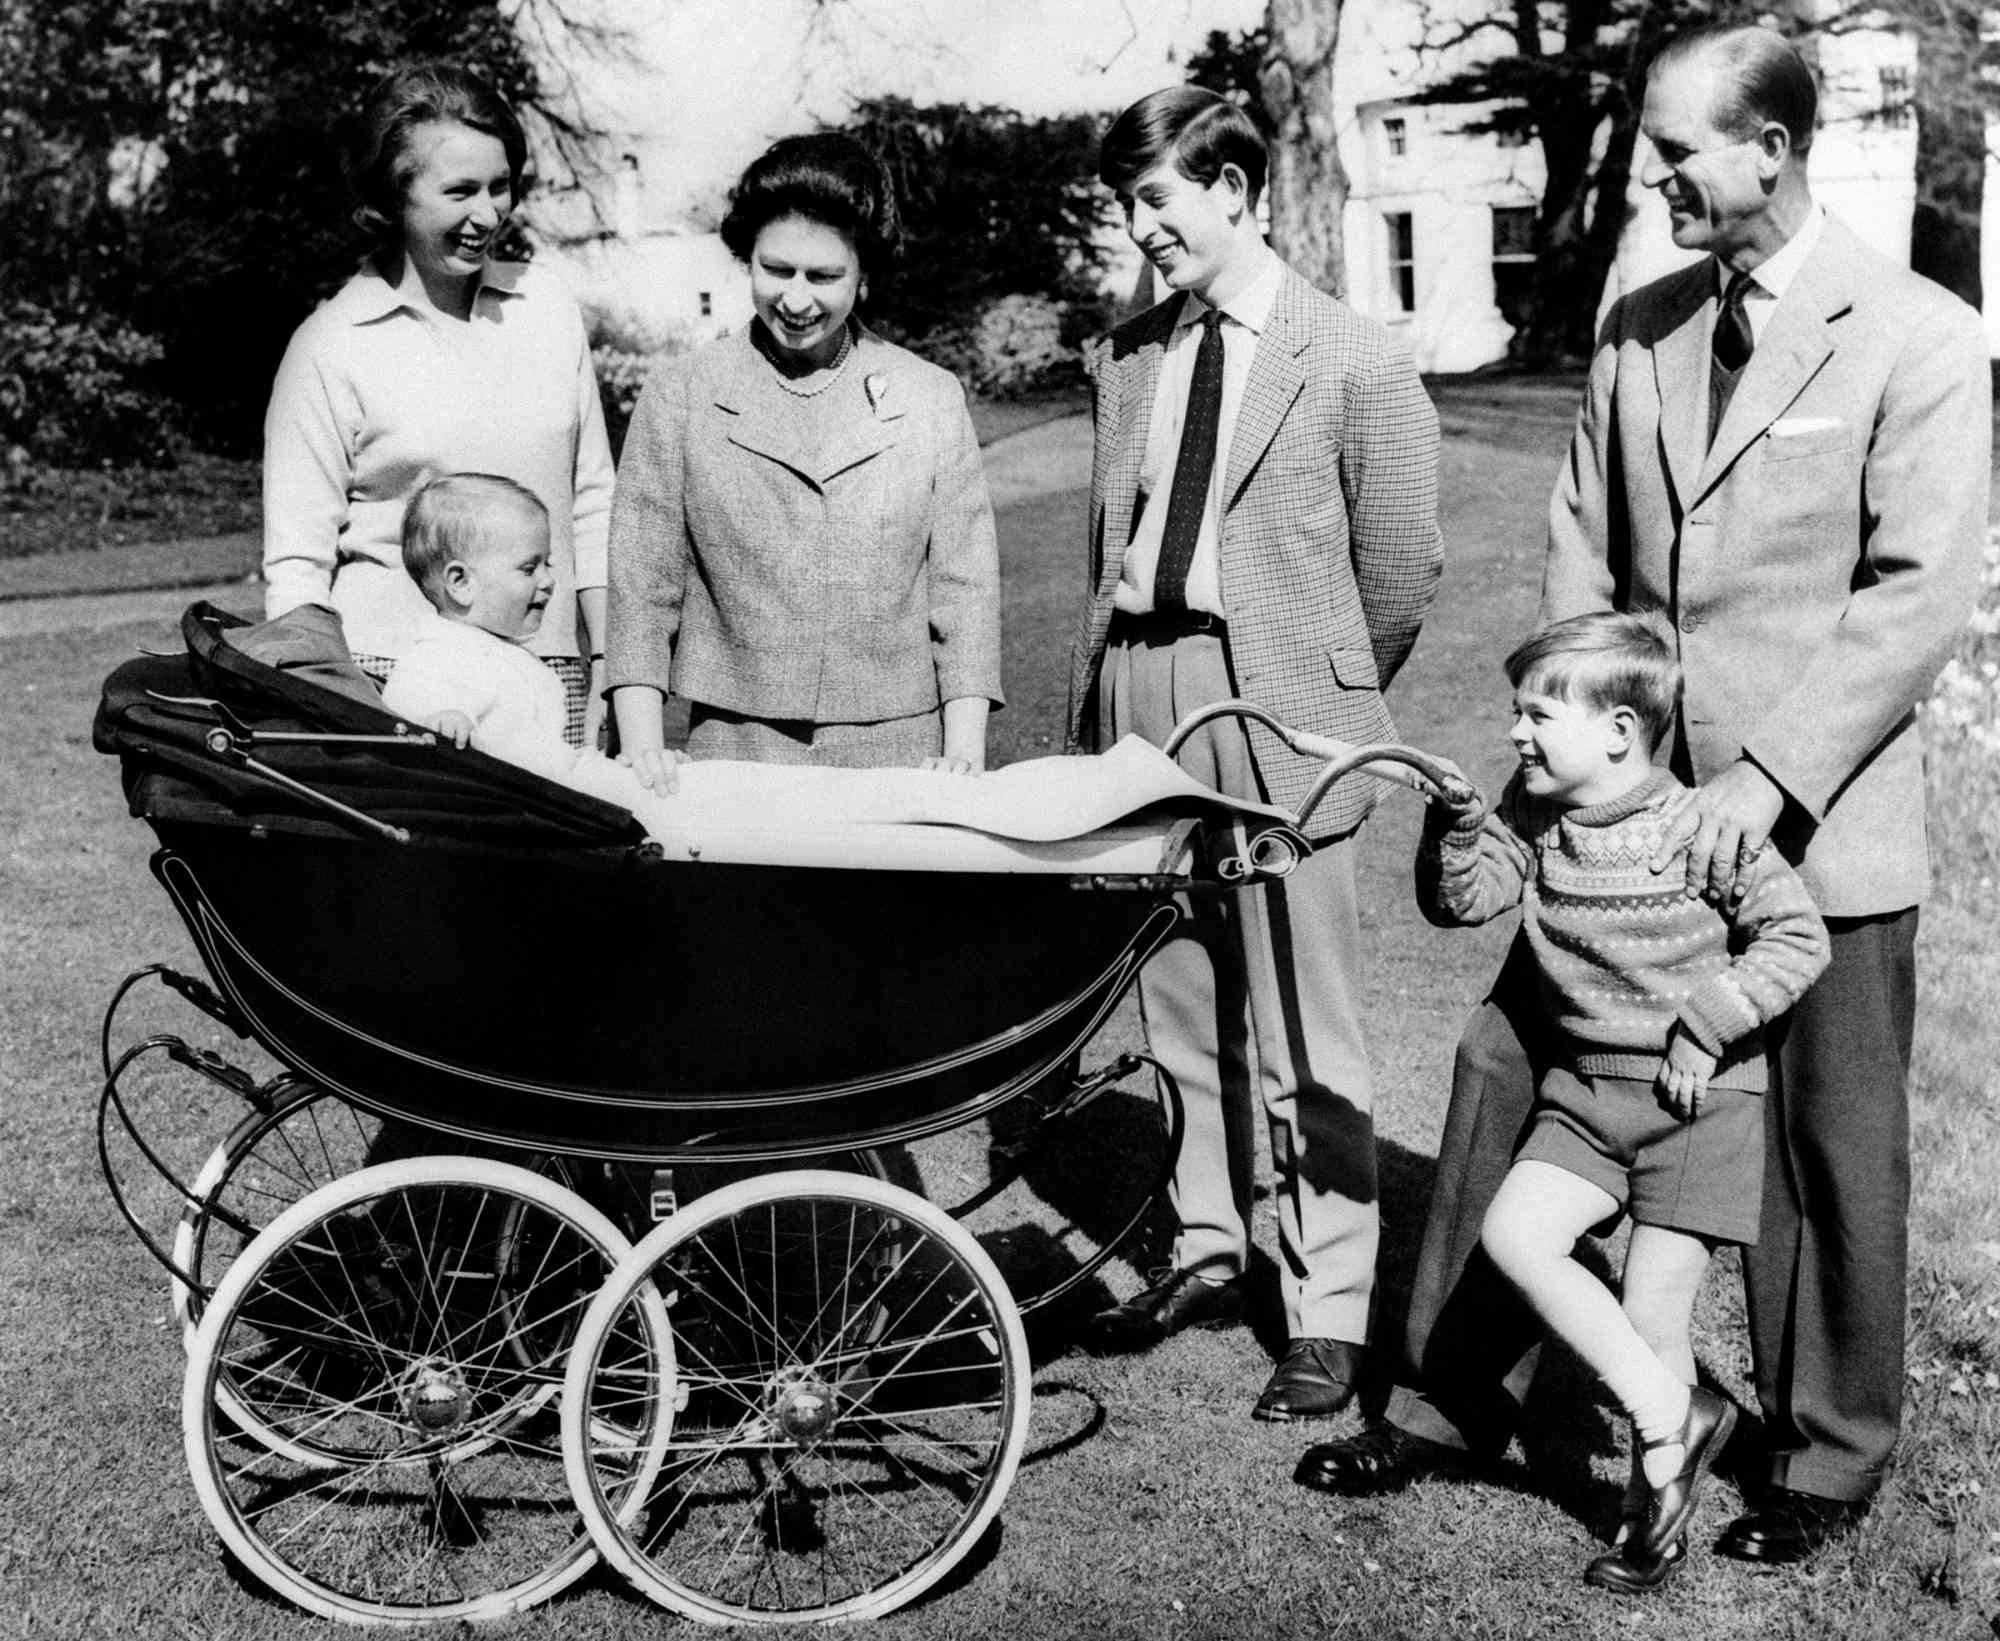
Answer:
[(478, 546)]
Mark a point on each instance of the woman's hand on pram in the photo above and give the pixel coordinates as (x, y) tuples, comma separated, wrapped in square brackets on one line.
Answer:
[(944, 763), (658, 769)]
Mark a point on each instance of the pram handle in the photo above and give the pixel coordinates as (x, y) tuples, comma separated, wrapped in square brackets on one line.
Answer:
[(1384, 761)]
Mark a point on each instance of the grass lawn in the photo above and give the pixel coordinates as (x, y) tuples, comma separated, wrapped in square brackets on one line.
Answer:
[(1150, 1505)]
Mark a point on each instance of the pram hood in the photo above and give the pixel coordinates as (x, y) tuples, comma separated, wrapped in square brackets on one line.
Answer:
[(158, 714)]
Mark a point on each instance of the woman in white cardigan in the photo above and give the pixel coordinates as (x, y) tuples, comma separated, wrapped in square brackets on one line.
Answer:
[(436, 358)]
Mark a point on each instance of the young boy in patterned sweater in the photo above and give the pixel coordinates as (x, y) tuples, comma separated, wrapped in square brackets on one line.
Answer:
[(1656, 1004)]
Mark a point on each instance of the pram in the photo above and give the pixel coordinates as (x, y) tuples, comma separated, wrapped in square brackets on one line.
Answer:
[(467, 1307)]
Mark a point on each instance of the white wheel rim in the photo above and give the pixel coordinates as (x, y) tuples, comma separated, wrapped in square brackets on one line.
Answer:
[(430, 1510), (804, 1478)]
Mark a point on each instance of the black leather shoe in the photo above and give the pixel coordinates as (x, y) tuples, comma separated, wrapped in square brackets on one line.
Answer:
[(1382, 1459), (1176, 1300), (1710, 1419), (1788, 1526), (1628, 1570), (1314, 1379)]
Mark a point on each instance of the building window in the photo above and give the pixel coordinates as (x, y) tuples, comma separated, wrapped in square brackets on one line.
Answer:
[(1402, 260), (1895, 109), (707, 302), (1396, 133), (1513, 261)]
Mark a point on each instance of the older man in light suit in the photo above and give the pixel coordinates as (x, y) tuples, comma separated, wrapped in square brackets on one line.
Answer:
[(1786, 448), (1263, 524)]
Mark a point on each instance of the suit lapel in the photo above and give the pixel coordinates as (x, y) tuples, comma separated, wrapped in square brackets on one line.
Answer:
[(1275, 380), (1796, 343), (747, 398), (1680, 371)]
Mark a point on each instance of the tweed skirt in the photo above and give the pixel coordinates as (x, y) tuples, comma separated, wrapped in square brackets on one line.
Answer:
[(891, 743)]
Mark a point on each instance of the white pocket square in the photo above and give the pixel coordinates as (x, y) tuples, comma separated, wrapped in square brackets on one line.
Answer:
[(1793, 427)]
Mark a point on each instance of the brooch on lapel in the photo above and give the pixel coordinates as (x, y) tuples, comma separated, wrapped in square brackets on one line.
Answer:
[(876, 386)]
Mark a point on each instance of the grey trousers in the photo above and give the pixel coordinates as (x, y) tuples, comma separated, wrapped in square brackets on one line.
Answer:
[(1253, 1004)]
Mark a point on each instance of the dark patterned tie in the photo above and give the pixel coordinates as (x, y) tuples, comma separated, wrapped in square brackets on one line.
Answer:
[(1188, 500), (1729, 351), (1733, 336)]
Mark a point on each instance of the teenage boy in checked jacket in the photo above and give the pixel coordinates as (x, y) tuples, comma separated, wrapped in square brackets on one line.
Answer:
[(1263, 524)]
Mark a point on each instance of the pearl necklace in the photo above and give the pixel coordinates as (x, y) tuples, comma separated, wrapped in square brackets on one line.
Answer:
[(826, 377)]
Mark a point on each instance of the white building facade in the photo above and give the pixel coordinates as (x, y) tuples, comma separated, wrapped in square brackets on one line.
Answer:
[(1439, 221)]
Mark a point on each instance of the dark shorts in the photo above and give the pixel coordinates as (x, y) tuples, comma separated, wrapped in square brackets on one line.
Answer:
[(1704, 1177)]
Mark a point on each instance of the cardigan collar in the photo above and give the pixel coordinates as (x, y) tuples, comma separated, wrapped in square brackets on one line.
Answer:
[(368, 297)]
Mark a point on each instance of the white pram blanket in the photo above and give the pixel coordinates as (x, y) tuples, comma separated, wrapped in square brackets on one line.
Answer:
[(1121, 811)]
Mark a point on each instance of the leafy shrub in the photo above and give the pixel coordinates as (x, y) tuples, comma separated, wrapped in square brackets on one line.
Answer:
[(1017, 345), (74, 392), (624, 349), (1962, 750)]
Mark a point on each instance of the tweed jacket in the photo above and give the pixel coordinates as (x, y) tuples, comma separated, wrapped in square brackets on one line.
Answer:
[(1818, 560), (828, 560), (1330, 553)]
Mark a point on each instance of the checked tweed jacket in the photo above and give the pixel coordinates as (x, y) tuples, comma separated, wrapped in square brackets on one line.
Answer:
[(1330, 553)]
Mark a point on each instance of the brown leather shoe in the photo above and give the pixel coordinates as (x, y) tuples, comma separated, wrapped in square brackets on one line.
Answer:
[(1175, 1300), (1710, 1419), (1314, 1379), (1384, 1458), (1788, 1526)]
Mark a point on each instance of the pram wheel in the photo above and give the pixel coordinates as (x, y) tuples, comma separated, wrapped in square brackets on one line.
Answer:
[(368, 1406), (270, 1160), (851, 1389)]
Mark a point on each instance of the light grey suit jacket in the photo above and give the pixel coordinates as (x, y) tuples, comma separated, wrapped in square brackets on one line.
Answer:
[(830, 560), (1330, 549), (1818, 560)]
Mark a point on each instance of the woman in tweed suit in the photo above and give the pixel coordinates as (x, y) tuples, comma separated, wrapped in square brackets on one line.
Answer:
[(801, 542)]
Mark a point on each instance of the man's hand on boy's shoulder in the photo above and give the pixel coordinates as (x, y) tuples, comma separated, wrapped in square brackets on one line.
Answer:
[(1723, 826)]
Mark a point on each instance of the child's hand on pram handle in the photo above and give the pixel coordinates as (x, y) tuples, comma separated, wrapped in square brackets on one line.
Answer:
[(1453, 793)]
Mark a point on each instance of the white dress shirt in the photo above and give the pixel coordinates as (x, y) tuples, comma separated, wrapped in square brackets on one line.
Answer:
[(1244, 318), (1772, 277)]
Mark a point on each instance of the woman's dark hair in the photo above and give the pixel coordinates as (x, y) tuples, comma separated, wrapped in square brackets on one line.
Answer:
[(1201, 131), (380, 162), (1761, 77), (828, 178)]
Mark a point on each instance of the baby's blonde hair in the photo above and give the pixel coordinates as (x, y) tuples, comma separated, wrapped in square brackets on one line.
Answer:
[(1605, 660), (454, 516)]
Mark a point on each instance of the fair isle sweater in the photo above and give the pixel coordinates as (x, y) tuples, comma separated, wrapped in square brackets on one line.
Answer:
[(1623, 952)]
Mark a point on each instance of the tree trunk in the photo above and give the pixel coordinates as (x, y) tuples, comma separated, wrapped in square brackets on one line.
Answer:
[(1308, 188), (1951, 151), (1563, 279)]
